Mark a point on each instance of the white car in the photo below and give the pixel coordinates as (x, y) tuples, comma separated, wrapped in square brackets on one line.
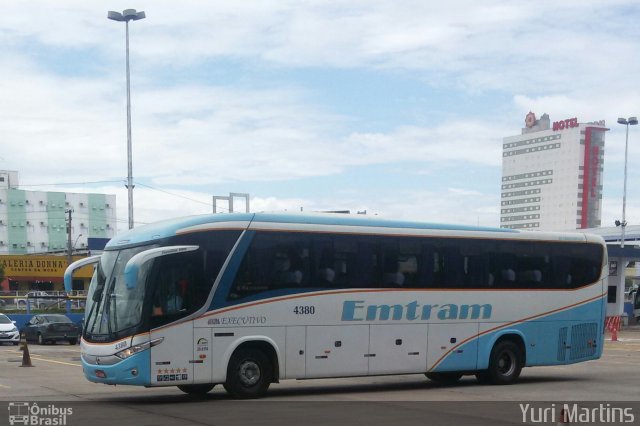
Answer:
[(8, 330)]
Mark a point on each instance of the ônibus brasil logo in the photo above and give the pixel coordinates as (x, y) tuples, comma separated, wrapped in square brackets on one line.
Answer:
[(28, 413)]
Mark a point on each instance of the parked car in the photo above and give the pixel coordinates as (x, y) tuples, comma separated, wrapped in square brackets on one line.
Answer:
[(38, 300), (8, 330), (51, 328)]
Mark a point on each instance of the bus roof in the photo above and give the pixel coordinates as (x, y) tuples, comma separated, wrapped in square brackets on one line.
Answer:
[(168, 228)]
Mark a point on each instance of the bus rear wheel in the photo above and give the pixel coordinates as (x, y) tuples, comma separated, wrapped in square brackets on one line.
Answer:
[(201, 389), (249, 374), (505, 363), (444, 378)]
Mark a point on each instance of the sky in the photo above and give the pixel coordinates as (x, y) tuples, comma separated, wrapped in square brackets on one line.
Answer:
[(396, 107)]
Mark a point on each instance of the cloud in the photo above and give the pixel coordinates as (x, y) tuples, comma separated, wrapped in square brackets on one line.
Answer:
[(63, 110), (490, 45)]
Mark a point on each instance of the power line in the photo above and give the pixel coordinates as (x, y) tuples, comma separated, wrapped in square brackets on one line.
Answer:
[(119, 181), (69, 183), (175, 195)]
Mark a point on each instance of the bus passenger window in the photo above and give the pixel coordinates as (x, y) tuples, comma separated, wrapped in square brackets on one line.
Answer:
[(391, 276), (325, 273), (171, 300), (177, 279), (274, 261), (287, 273)]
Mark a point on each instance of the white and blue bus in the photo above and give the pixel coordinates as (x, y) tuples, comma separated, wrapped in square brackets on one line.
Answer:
[(245, 300)]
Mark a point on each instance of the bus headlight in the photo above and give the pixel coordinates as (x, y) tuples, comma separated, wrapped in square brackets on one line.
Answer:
[(126, 353)]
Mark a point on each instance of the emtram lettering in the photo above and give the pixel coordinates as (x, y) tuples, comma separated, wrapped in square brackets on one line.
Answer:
[(356, 310)]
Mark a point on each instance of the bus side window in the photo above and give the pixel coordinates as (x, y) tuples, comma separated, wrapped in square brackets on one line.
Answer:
[(453, 263), (324, 262), (391, 276), (504, 265), (585, 268), (274, 261), (561, 274), (365, 264), (177, 278), (437, 260), (426, 267)]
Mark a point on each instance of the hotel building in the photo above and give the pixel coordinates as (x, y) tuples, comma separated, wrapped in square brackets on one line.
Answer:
[(552, 175)]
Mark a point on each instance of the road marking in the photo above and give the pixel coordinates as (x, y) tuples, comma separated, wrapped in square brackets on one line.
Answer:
[(56, 362), (5, 386)]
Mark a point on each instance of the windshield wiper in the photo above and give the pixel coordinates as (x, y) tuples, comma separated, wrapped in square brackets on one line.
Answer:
[(89, 317), (113, 298), (95, 308), (107, 307)]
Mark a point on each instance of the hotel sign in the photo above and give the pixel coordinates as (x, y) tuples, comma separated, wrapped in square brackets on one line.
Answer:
[(565, 124)]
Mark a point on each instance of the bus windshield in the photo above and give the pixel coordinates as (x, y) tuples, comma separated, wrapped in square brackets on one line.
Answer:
[(113, 308)]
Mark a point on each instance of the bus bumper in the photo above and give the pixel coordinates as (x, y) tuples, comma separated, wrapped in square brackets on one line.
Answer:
[(135, 370)]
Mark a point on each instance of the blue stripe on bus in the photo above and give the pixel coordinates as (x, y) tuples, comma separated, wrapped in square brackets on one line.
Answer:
[(350, 220), (545, 332), (230, 273), (169, 228)]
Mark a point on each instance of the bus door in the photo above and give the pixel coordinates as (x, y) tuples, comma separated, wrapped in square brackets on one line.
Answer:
[(171, 276)]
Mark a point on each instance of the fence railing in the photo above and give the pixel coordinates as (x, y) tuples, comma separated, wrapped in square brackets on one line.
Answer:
[(28, 301)]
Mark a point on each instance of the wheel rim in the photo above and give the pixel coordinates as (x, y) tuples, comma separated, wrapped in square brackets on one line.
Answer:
[(40, 341), (506, 363), (249, 373)]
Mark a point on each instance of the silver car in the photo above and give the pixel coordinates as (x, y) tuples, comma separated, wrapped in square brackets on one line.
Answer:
[(8, 330)]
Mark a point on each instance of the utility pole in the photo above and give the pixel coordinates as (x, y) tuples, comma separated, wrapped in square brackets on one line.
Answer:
[(69, 247)]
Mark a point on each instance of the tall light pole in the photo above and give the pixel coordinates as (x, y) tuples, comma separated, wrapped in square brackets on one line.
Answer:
[(625, 121), (126, 16)]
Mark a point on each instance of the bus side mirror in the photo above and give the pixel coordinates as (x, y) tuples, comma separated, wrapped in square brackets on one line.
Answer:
[(68, 273), (132, 269)]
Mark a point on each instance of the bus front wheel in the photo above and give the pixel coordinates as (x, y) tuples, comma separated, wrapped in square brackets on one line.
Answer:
[(249, 374), (505, 364), (196, 389)]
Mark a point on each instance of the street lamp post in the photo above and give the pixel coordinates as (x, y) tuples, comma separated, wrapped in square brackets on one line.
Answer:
[(625, 121), (126, 16)]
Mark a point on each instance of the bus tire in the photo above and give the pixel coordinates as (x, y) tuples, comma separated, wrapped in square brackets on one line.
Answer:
[(505, 363), (201, 389), (249, 374), (444, 378)]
